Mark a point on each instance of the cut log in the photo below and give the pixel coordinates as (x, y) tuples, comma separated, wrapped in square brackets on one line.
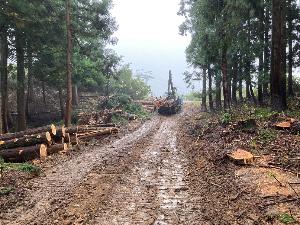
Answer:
[(67, 139), (51, 129), (19, 155), (95, 134), (27, 140), (61, 132), (86, 129), (241, 157), (74, 139), (143, 102), (53, 149)]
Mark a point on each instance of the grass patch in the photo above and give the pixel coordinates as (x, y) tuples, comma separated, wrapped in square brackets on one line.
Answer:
[(266, 135), (287, 218), (23, 167), (120, 120)]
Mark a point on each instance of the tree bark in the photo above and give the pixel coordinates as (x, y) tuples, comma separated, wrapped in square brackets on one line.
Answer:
[(225, 79), (210, 96), (29, 99), (291, 54), (218, 92), (204, 99), (27, 140), (53, 149), (51, 129), (23, 154), (21, 123), (278, 58), (75, 100), (61, 102), (266, 80), (261, 60), (44, 92), (234, 80), (241, 98), (68, 114), (4, 76)]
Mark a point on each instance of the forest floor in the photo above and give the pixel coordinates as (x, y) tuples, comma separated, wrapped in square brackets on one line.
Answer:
[(168, 170)]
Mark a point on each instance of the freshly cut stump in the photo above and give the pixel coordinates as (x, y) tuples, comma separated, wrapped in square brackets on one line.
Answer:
[(283, 125), (241, 157)]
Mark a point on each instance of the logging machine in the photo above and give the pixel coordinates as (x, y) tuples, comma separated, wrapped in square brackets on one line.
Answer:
[(172, 104)]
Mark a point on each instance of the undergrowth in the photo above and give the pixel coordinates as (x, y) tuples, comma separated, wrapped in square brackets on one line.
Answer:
[(23, 167)]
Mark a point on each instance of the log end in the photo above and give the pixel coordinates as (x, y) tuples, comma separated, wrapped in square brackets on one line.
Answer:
[(43, 152), (65, 147), (53, 129), (48, 137)]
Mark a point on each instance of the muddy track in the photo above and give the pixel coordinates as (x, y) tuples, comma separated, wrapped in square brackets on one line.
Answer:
[(57, 185)]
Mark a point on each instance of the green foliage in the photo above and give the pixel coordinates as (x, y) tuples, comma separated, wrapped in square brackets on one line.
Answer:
[(193, 96), (286, 218), (6, 191), (117, 119), (226, 118), (137, 110), (118, 101), (127, 84), (23, 167), (267, 135)]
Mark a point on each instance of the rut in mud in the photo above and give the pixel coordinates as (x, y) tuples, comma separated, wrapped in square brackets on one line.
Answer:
[(58, 183), (153, 191)]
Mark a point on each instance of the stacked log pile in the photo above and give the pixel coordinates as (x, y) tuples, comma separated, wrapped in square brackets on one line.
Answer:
[(102, 118), (148, 105), (97, 118), (41, 142)]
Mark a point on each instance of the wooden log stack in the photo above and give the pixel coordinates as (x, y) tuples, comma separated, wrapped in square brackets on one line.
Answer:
[(41, 142)]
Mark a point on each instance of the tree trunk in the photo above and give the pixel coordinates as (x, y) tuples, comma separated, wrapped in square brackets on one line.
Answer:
[(266, 80), (4, 75), (278, 58), (204, 99), (68, 114), (261, 60), (29, 98), (44, 92), (61, 102), (75, 99), (240, 73), (234, 80), (21, 123), (218, 92), (225, 79), (290, 55), (210, 96)]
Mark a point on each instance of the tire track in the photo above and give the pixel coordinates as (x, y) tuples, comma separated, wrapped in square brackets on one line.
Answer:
[(60, 180)]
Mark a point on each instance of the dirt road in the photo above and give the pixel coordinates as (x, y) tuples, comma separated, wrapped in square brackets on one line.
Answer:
[(156, 175), (139, 179)]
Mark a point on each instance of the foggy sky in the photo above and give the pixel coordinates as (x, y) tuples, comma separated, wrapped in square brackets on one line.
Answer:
[(149, 39)]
